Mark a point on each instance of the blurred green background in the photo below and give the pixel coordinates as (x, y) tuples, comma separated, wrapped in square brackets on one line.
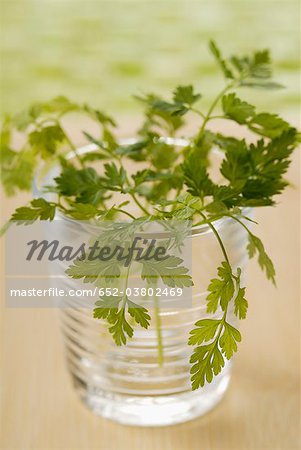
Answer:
[(104, 51)]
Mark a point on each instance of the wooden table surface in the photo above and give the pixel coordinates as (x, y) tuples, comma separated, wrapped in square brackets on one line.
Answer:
[(260, 411)]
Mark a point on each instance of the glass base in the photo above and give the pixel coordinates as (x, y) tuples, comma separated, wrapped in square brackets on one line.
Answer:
[(161, 410)]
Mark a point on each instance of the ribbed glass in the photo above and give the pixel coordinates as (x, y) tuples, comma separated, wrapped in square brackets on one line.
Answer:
[(132, 384), (128, 384)]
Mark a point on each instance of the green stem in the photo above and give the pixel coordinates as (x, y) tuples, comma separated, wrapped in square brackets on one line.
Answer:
[(218, 117), (133, 195), (81, 163), (158, 331), (212, 218), (125, 212), (73, 147), (177, 195), (221, 326), (125, 287), (139, 204), (241, 223), (217, 237), (199, 113), (215, 102)]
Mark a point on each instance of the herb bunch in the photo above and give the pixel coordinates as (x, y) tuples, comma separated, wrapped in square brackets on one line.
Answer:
[(172, 183)]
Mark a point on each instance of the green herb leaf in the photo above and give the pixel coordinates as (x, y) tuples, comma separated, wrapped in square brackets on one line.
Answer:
[(139, 313), (14, 166), (228, 340), (240, 304), (59, 105), (222, 63), (269, 125), (255, 70), (109, 308), (158, 111), (121, 328), (185, 207), (39, 209), (205, 331), (68, 183), (185, 95), (221, 289), (115, 178), (162, 155), (84, 184), (236, 109), (236, 166), (46, 140), (96, 271), (170, 270), (196, 176), (99, 116), (256, 246), (208, 361), (83, 211)]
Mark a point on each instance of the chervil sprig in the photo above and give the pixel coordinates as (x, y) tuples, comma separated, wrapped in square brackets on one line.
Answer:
[(167, 181)]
